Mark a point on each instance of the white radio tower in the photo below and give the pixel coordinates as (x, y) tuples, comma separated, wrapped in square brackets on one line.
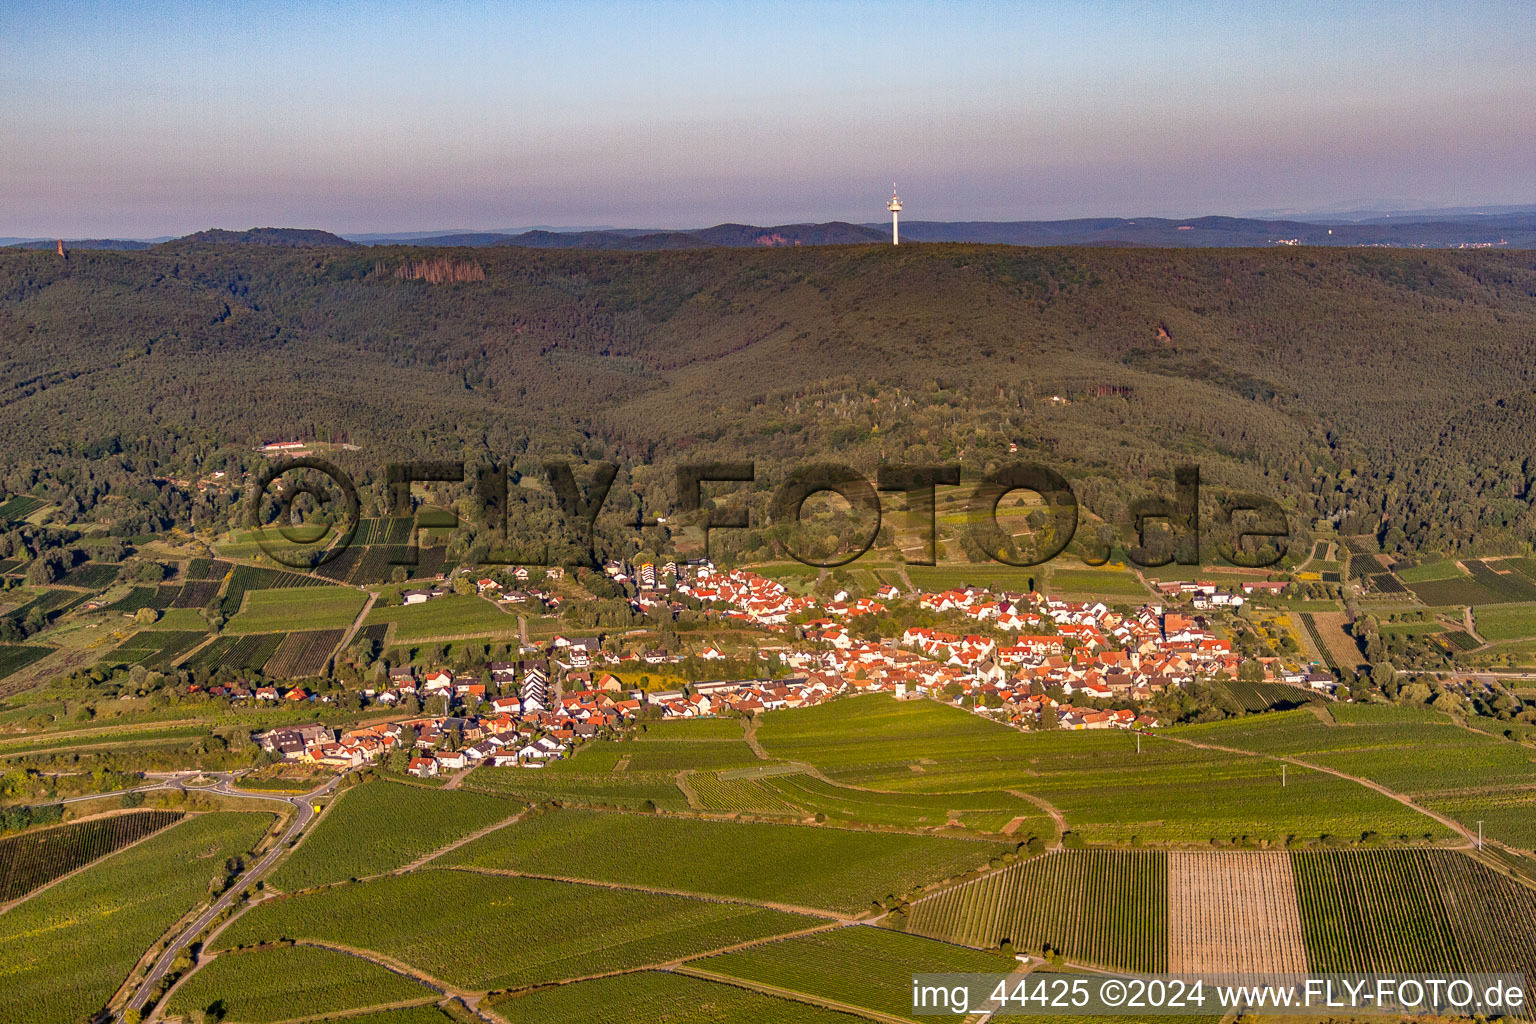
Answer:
[(895, 207)]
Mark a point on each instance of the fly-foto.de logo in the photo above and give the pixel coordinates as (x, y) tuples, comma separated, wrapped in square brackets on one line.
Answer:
[(1252, 530)]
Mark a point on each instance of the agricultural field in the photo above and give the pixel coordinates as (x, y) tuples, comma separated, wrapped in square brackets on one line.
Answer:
[(520, 931), (68, 949), (444, 617), (246, 577), (1445, 569), (1373, 911), (158, 597), (1102, 907), (155, 647), (303, 654), (243, 653), (859, 965), (648, 755), (1338, 648), (18, 508), (15, 657), (834, 869), (380, 826), (727, 793), (1233, 913), (986, 811), (276, 611), (1414, 751), (1256, 697), (196, 594), (597, 789), (1504, 581), (91, 575), (284, 982), (208, 569), (33, 859), (1506, 621), (656, 997), (1107, 791), (1098, 582)]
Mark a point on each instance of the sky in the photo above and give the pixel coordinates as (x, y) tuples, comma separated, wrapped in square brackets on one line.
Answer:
[(136, 119)]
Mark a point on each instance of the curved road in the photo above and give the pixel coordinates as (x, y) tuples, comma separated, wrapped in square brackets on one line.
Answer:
[(305, 814)]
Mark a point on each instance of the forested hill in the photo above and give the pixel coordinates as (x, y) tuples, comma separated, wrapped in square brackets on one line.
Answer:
[(1388, 386)]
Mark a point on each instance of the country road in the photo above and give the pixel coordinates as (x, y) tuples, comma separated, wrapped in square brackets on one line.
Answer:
[(305, 814)]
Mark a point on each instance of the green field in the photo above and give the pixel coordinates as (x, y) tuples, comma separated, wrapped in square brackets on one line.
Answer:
[(1445, 569), (1415, 751), (1107, 791), (1506, 621), (66, 950), (297, 608), (1100, 582), (284, 982), (828, 868), (597, 789), (380, 826), (449, 616), (487, 932), (653, 997), (861, 966)]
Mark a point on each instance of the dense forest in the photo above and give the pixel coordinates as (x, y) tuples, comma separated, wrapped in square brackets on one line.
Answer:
[(1388, 391)]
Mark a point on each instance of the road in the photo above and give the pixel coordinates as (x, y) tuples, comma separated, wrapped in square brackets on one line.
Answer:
[(305, 813)]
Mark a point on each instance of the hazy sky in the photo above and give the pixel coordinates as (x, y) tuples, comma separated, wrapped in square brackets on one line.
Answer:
[(140, 119)]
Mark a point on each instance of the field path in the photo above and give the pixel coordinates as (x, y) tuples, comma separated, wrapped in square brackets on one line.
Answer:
[(356, 624), (1450, 823), (1045, 805), (788, 908), (751, 737), (788, 993), (1470, 626), (681, 778), (428, 858)]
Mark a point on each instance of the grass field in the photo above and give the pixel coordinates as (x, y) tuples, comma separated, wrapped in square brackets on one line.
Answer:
[(453, 615), (490, 932), (68, 949), (379, 826), (654, 997), (826, 868), (284, 982), (297, 608)]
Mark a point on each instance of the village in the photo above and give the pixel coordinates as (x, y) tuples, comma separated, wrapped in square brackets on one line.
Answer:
[(1035, 662)]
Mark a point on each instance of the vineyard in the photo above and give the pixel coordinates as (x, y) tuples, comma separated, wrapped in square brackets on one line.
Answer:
[(67, 949), (196, 594), (830, 868), (15, 657), (488, 932), (1233, 913), (241, 653), (1510, 586), (154, 648), (1103, 907), (1373, 911), (379, 826), (597, 789), (654, 997), (275, 611), (36, 858), (284, 982), (1256, 697), (862, 966), (246, 577), (156, 597), (716, 792), (303, 654)]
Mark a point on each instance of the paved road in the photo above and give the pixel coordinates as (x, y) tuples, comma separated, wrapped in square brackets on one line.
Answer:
[(305, 813)]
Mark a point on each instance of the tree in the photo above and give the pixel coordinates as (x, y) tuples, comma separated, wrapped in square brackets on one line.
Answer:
[(145, 616)]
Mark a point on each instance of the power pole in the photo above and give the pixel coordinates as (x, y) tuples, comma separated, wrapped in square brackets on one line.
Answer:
[(1282, 774)]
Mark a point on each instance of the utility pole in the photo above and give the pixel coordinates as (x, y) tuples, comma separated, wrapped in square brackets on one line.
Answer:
[(1479, 833), (1282, 774)]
